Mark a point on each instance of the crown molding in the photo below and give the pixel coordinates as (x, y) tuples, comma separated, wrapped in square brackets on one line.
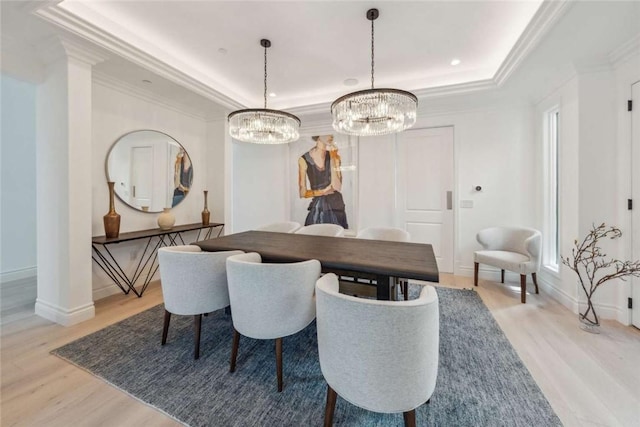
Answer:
[(57, 47), (546, 16), (625, 51), (53, 13), (109, 82)]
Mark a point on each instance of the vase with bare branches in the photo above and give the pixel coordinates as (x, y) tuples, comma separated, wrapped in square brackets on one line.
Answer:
[(594, 269)]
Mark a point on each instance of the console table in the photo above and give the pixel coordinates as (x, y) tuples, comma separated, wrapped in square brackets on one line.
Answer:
[(155, 238)]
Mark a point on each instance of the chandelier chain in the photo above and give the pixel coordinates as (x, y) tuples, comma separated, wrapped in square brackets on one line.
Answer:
[(265, 77), (372, 54)]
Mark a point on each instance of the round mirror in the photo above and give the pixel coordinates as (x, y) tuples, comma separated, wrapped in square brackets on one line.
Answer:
[(150, 169)]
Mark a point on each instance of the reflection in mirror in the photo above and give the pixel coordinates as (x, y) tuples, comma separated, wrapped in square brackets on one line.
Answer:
[(151, 170)]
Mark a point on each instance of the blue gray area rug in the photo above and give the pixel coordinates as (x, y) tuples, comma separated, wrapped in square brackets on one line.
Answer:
[(481, 380)]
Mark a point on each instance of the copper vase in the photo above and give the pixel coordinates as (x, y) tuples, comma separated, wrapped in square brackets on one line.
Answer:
[(112, 218), (206, 215)]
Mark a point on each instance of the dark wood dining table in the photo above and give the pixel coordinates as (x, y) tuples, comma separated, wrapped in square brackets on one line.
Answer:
[(379, 260)]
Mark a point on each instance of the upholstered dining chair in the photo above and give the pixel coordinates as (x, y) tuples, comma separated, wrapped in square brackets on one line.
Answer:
[(270, 301), (280, 227), (332, 230), (193, 283), (391, 234), (517, 249), (389, 363)]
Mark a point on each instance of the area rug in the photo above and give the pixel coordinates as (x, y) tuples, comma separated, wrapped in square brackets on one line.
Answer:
[(481, 380)]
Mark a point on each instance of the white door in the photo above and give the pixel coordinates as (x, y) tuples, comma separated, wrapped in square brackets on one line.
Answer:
[(635, 218), (141, 175), (425, 190)]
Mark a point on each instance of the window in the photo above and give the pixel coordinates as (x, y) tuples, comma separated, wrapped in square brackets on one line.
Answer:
[(551, 203)]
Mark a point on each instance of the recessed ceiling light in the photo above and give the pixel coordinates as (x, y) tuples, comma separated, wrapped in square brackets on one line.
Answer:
[(455, 61), (351, 82), (222, 51), (146, 81), (272, 94)]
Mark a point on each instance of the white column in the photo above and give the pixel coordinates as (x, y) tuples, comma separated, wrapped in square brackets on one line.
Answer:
[(63, 163)]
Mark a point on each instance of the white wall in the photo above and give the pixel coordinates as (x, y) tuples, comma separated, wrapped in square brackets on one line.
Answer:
[(18, 179), (260, 185), (116, 113), (595, 174)]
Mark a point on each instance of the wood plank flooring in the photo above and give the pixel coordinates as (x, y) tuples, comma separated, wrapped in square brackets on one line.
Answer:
[(590, 380)]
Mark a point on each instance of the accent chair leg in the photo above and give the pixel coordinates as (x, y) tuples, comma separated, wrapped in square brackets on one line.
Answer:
[(197, 325), (535, 281), (234, 350), (475, 273), (279, 362), (523, 288), (405, 289), (165, 327), (501, 276), (330, 407), (410, 418)]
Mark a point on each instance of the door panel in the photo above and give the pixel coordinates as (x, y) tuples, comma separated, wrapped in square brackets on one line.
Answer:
[(635, 217), (141, 175), (425, 176)]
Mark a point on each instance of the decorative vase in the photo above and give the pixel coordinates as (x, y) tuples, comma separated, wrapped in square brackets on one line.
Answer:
[(166, 219), (205, 213), (112, 218), (587, 316)]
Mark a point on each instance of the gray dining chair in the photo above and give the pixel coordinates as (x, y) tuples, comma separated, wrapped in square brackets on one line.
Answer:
[(331, 230), (270, 301), (193, 283), (390, 234), (280, 227), (389, 363)]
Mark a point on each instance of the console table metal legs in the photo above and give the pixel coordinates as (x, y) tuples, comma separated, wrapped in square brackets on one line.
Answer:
[(148, 261)]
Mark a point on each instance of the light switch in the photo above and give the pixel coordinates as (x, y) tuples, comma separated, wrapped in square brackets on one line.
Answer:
[(466, 203)]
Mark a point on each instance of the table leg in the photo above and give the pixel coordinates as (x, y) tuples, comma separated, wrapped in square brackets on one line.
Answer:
[(383, 284)]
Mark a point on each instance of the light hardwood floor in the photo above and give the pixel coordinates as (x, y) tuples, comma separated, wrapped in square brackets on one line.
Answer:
[(590, 380)]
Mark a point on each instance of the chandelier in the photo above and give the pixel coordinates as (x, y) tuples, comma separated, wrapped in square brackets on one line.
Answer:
[(374, 112), (261, 125)]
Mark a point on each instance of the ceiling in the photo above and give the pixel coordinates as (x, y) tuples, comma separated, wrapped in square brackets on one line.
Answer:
[(171, 50)]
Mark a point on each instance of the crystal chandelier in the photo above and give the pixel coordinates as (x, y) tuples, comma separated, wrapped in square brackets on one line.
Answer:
[(261, 125), (374, 112)]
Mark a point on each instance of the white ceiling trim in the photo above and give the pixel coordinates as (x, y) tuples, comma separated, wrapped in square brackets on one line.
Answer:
[(625, 51), (547, 15), (58, 47), (86, 30), (112, 83)]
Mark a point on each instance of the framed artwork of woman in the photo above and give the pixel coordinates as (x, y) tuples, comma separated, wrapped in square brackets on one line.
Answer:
[(321, 182)]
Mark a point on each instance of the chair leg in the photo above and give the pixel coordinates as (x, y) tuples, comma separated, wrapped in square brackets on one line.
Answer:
[(410, 418), (330, 407), (279, 362), (165, 327), (535, 281), (475, 273), (501, 276), (197, 325), (234, 350), (523, 288), (405, 289)]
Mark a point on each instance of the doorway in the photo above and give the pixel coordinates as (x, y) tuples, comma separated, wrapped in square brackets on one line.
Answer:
[(425, 177), (635, 185)]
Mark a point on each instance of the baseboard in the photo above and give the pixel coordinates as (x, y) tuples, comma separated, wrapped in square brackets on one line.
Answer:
[(22, 273), (605, 311), (63, 316)]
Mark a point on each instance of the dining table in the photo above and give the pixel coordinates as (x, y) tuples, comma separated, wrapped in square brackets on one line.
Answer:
[(380, 262)]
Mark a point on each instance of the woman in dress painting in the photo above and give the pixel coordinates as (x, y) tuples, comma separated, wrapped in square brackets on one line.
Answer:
[(182, 177), (321, 166)]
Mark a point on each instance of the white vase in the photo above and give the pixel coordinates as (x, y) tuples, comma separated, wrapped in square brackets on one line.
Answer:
[(166, 219)]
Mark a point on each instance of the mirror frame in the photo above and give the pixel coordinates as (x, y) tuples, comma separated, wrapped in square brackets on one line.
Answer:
[(170, 190)]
